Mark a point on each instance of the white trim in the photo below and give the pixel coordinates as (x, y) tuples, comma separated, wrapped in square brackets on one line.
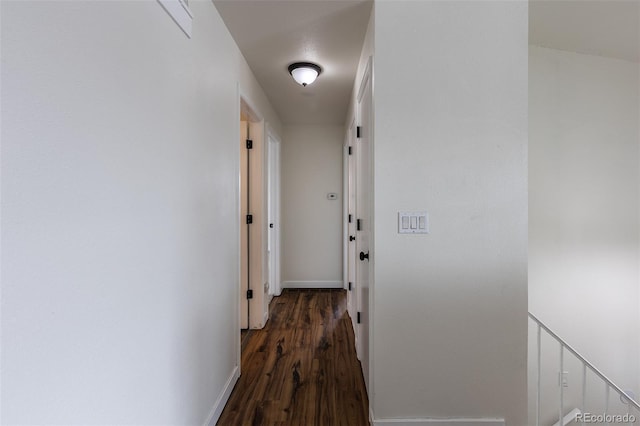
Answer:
[(312, 284), (372, 233), (256, 321), (439, 422), (366, 75), (235, 325), (180, 13), (350, 268), (274, 143), (216, 411), (345, 211), (367, 81), (255, 114)]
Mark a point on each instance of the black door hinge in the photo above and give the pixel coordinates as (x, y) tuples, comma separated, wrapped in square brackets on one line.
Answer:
[(349, 285), (249, 294), (350, 218), (359, 224), (249, 144), (249, 219), (358, 132), (350, 151), (358, 318)]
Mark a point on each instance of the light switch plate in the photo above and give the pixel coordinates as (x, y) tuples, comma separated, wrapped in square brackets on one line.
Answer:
[(414, 222)]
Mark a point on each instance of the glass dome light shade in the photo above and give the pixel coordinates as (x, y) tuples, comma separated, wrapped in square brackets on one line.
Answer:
[(304, 73)]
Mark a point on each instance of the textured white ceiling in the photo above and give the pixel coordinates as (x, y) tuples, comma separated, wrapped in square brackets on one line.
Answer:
[(273, 34), (608, 28)]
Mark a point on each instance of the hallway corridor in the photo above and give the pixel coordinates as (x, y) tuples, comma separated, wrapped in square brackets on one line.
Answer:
[(301, 369)]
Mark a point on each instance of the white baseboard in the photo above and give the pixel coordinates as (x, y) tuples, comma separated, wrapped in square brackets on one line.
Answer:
[(312, 284), (216, 411), (437, 422)]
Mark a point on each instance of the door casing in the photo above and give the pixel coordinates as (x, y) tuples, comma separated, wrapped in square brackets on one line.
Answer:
[(364, 243)]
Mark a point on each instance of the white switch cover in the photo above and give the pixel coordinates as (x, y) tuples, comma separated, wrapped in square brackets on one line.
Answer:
[(416, 222)]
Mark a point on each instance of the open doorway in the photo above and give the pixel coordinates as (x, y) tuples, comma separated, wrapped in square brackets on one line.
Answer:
[(259, 218), (252, 212)]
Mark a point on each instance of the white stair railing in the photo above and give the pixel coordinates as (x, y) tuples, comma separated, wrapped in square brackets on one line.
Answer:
[(586, 365), (573, 414)]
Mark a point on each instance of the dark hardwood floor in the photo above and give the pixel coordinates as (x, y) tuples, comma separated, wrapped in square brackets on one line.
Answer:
[(301, 369)]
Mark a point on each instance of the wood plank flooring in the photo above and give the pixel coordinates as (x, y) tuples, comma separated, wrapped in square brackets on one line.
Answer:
[(301, 369)]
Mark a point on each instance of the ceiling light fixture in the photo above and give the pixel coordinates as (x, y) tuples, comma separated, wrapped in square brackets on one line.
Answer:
[(304, 72)]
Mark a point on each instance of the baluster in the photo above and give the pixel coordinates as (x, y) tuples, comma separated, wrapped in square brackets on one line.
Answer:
[(628, 407), (538, 380), (584, 390), (606, 402), (561, 384)]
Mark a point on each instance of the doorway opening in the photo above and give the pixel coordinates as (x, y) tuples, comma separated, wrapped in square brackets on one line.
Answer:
[(251, 216), (259, 219)]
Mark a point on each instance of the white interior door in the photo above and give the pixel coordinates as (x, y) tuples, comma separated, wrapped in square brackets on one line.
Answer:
[(363, 220), (352, 293)]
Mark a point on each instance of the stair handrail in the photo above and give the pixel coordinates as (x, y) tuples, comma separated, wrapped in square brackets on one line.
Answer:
[(592, 367)]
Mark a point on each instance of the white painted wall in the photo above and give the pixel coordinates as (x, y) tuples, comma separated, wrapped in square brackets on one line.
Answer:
[(450, 308), (119, 212), (312, 224), (583, 206)]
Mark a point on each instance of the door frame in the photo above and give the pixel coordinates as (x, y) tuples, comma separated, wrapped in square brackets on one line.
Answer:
[(367, 81), (349, 273), (258, 307), (274, 155)]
